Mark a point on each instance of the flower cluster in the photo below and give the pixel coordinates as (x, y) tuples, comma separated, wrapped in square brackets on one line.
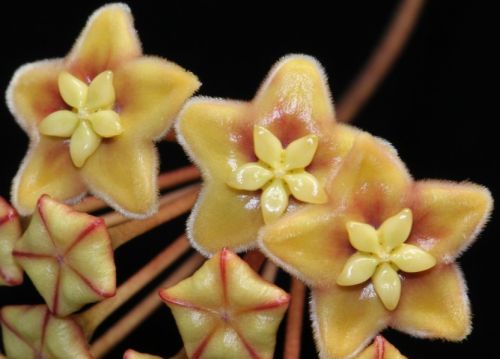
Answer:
[(328, 203)]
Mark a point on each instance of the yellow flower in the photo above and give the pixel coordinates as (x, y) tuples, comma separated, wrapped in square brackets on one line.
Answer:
[(239, 148), (10, 232), (68, 257), (225, 310), (93, 117), (32, 332), (336, 249)]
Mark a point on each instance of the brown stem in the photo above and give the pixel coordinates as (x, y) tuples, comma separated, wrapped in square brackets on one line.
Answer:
[(379, 63), (142, 310), (114, 218), (254, 258), (92, 317), (124, 232), (165, 181), (294, 322), (270, 271)]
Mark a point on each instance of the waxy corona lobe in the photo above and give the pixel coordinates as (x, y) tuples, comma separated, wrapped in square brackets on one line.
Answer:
[(280, 172)]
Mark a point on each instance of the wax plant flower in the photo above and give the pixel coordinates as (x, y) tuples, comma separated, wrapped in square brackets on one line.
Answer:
[(382, 251), (225, 310), (10, 231), (264, 158), (68, 256), (132, 354), (32, 332), (93, 116)]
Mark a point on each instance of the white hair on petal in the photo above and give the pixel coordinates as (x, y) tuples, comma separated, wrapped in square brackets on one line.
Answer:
[(320, 345), (277, 66), (93, 17)]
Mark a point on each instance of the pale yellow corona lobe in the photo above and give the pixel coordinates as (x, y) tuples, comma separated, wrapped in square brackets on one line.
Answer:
[(279, 173), (381, 253), (91, 119)]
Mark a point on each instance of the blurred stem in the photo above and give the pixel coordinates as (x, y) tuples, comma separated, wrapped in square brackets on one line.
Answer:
[(378, 65), (176, 204), (165, 180), (294, 322), (141, 311), (254, 258), (270, 271), (90, 319)]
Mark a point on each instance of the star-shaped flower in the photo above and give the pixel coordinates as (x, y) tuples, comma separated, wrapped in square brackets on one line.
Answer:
[(334, 243), (225, 310), (10, 231), (93, 117), (68, 256), (279, 172), (292, 110), (32, 332), (381, 349)]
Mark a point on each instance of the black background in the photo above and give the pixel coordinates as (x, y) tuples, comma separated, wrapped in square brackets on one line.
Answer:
[(433, 107)]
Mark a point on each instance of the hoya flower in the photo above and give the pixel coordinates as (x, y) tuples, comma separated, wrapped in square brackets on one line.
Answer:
[(264, 158), (10, 231), (225, 310), (68, 256), (93, 116), (382, 251), (33, 332), (132, 354)]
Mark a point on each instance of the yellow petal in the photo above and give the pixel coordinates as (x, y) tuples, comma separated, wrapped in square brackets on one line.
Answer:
[(101, 93), (434, 305), (387, 285), (448, 216), (151, 91), (250, 177), (305, 187), (206, 128), (267, 147), (33, 93), (274, 201), (296, 86), (47, 169), (107, 40), (84, 143), (345, 319), (308, 241), (372, 182), (410, 258), (381, 349), (225, 218), (358, 268), (72, 90), (363, 237), (106, 123), (396, 229), (124, 172), (300, 153), (60, 123)]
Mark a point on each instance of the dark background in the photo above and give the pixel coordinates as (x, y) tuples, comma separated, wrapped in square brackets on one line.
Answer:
[(433, 107)]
